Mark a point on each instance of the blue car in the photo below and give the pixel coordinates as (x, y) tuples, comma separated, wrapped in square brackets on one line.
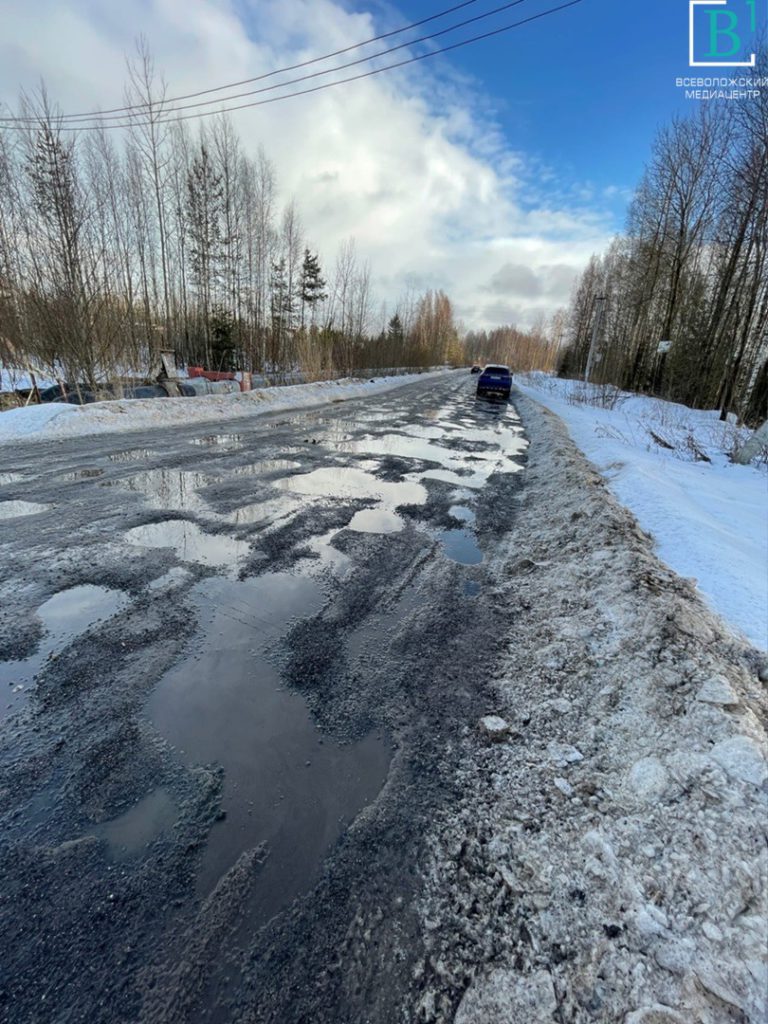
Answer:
[(495, 381)]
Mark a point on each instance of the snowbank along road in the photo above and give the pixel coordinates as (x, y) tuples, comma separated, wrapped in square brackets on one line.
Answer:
[(241, 773)]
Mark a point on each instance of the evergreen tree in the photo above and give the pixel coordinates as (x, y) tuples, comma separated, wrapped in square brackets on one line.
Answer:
[(312, 285)]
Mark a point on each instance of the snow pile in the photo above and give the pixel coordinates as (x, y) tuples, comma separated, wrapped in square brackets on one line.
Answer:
[(670, 466), (34, 421), (61, 421), (606, 863)]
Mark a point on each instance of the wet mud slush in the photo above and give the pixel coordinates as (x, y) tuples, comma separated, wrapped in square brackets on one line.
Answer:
[(235, 669)]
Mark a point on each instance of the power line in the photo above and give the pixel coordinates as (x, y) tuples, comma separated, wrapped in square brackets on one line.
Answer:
[(269, 74), (325, 85), (164, 113)]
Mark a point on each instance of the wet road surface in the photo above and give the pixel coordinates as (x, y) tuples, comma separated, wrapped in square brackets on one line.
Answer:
[(233, 669)]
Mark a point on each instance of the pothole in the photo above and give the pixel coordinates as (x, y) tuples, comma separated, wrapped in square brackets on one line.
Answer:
[(190, 542), (133, 455), (462, 513), (284, 783), (460, 546), (218, 441), (132, 832), (64, 616), (171, 490), (346, 482), (376, 520)]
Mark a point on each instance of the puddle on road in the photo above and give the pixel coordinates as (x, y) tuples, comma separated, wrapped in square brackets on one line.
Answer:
[(462, 513), (176, 490), (398, 444), (471, 589), (263, 467), (173, 578), (326, 555), (190, 542), (133, 831), (133, 455), (376, 520), (344, 482), (17, 509), (460, 546), (264, 512), (219, 441), (284, 784), (64, 616), (167, 489)]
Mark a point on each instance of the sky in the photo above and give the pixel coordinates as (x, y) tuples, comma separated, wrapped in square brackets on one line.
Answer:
[(492, 172)]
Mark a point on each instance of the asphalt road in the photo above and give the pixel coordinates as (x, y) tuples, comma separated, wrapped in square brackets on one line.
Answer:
[(235, 665)]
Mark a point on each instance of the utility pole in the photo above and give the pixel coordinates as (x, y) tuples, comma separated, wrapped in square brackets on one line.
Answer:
[(600, 304)]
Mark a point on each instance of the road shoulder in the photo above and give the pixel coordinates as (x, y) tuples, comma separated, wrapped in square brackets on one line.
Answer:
[(606, 862)]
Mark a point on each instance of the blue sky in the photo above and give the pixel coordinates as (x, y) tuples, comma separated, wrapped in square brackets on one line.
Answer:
[(585, 90)]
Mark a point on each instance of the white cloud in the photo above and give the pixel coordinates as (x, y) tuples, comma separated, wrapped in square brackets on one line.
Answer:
[(409, 163)]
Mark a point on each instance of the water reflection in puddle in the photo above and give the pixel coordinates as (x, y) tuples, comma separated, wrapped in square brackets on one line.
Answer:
[(376, 520), (133, 455), (173, 578), (460, 546), (219, 441), (16, 509), (64, 616), (337, 482), (132, 832), (264, 513), (326, 556), (462, 513), (167, 489), (190, 542), (283, 783), (264, 467)]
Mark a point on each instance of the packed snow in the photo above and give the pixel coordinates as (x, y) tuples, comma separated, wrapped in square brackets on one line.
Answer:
[(708, 516), (59, 420)]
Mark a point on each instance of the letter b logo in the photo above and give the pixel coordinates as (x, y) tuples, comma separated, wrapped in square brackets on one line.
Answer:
[(720, 30)]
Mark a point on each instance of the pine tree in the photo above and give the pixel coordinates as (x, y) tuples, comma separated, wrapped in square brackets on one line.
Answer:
[(312, 285)]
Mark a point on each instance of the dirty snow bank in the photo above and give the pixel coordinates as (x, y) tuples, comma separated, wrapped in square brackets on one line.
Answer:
[(60, 420), (606, 863), (709, 518)]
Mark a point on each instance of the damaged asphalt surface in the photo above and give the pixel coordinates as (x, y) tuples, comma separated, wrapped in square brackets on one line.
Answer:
[(242, 773), (223, 742)]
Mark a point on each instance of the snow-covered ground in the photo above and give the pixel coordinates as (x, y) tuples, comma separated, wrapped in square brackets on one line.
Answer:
[(58, 420), (708, 516)]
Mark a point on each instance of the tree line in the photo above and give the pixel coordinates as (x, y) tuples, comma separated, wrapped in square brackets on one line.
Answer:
[(522, 350), (114, 246), (678, 305)]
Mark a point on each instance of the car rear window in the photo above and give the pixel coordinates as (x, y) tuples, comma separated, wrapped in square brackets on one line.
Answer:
[(502, 370)]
